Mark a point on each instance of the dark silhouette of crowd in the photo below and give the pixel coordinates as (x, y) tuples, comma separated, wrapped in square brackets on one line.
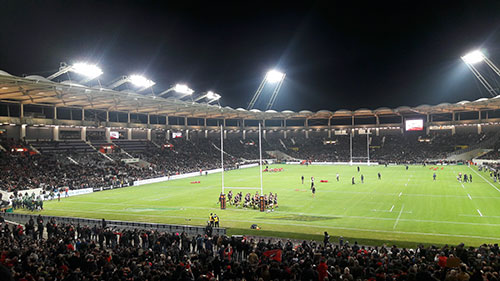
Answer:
[(47, 250)]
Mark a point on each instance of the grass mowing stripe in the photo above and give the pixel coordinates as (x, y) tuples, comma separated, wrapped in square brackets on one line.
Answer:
[(434, 206), (294, 213), (334, 227)]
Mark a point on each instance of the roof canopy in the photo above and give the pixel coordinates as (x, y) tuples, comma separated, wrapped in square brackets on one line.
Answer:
[(38, 90)]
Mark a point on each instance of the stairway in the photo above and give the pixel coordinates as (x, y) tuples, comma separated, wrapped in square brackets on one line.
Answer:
[(280, 155)]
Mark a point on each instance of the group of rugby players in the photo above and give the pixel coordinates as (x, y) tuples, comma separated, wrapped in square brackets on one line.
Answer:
[(270, 201)]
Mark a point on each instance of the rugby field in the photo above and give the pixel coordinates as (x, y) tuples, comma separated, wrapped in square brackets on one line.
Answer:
[(405, 207)]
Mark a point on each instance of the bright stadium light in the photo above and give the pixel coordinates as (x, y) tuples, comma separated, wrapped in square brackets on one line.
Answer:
[(91, 71), (183, 89), (476, 57), (274, 76), (212, 96), (178, 88), (473, 57), (140, 81)]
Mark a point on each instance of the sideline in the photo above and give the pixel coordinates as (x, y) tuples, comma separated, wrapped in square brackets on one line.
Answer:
[(484, 179), (331, 227)]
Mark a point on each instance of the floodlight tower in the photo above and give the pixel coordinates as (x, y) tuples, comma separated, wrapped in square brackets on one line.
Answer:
[(475, 57), (90, 71), (274, 77), (210, 96), (178, 88), (136, 80)]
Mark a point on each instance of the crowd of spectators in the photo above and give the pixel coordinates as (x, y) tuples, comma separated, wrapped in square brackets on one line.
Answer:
[(46, 250), (395, 148), (27, 170)]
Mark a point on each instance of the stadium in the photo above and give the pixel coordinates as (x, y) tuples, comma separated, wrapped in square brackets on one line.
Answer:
[(120, 179)]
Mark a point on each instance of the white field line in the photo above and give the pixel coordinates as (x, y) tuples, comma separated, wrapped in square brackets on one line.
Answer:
[(387, 211), (412, 194), (391, 208), (476, 216), (400, 194), (485, 179), (469, 196), (278, 211), (318, 226), (479, 212), (399, 216)]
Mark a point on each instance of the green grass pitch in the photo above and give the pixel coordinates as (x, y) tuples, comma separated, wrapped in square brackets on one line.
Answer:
[(405, 207)]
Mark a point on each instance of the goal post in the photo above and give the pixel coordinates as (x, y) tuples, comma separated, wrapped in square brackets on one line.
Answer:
[(361, 157), (222, 197)]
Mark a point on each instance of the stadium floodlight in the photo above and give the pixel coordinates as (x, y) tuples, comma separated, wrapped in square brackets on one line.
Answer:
[(90, 71), (140, 81), (183, 89), (476, 57), (179, 88), (136, 80), (274, 76), (210, 96), (473, 57)]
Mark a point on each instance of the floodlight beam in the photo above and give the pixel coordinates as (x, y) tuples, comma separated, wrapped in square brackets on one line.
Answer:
[(275, 93), (492, 65), (257, 94), (482, 80)]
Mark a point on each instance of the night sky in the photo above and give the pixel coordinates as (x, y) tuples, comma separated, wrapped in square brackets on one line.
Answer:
[(336, 55)]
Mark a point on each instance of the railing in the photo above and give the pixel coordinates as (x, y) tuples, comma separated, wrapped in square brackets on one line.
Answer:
[(171, 228)]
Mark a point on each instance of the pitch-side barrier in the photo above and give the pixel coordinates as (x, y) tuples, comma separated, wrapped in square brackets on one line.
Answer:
[(334, 163), (170, 228)]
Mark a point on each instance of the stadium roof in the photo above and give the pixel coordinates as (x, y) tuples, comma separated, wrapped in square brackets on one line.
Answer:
[(35, 89)]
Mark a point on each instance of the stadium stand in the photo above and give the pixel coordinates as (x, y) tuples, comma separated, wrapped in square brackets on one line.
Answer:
[(180, 155), (48, 250)]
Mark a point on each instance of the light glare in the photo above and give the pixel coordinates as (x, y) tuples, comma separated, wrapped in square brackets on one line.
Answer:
[(183, 89), (89, 70), (213, 96), (274, 76), (473, 57), (141, 81)]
